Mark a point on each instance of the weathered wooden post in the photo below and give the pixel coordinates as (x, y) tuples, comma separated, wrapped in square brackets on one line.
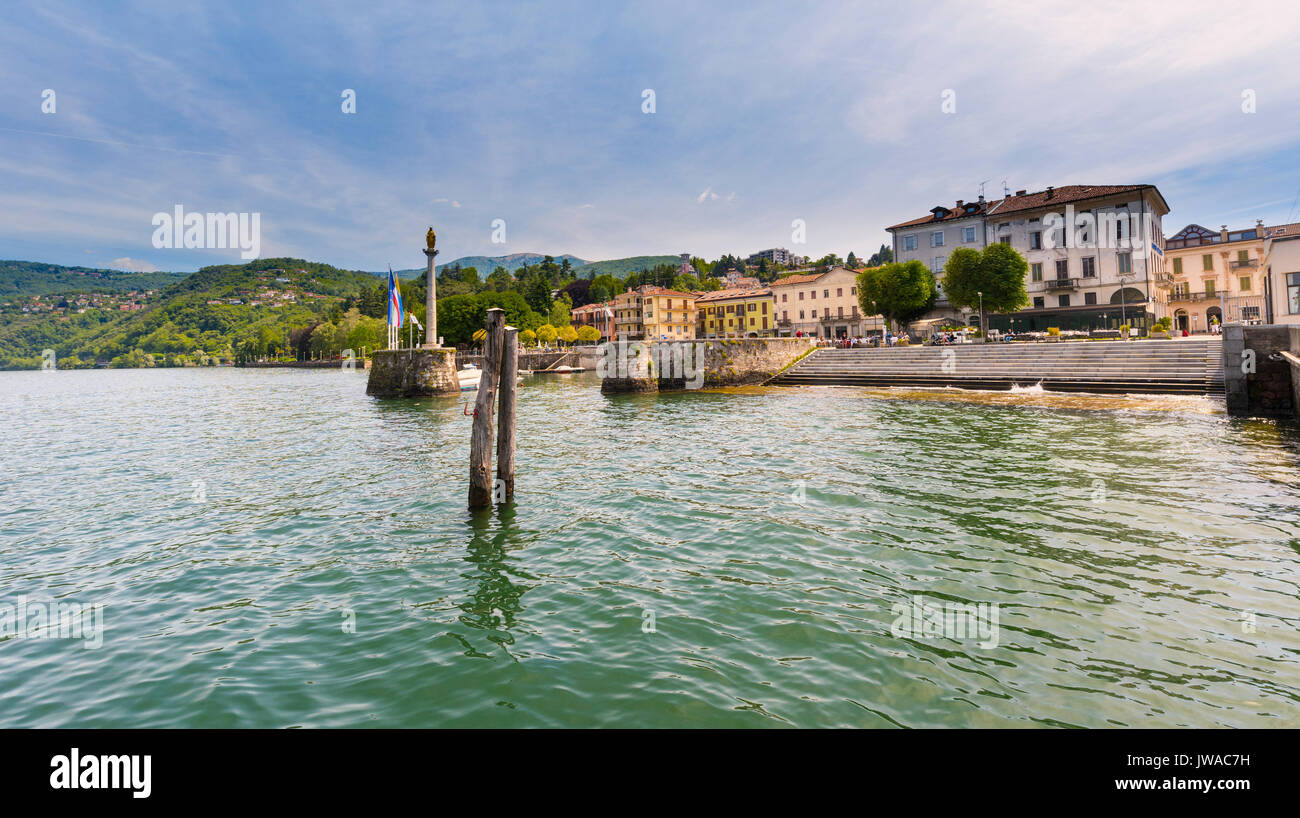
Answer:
[(506, 415), (480, 442)]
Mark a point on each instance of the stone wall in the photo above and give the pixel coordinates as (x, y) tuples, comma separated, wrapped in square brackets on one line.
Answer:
[(725, 361), (530, 360), (412, 373), (1270, 390)]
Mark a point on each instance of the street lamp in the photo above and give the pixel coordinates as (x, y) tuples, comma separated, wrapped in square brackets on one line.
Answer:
[(1123, 298), (984, 335)]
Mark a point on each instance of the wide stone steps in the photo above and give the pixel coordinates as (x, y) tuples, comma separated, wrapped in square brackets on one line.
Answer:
[(1185, 366)]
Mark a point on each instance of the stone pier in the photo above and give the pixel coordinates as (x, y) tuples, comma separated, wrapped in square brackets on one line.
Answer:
[(413, 373), (697, 364)]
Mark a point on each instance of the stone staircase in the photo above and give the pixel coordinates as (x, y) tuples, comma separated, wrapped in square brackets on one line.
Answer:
[(1175, 366)]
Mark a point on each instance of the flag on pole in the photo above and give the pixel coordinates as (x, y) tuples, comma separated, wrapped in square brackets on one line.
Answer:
[(394, 300)]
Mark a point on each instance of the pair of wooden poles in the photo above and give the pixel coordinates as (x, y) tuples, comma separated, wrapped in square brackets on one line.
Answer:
[(500, 365)]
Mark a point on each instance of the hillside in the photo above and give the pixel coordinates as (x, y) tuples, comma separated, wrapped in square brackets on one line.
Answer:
[(23, 278), (621, 267), (207, 312)]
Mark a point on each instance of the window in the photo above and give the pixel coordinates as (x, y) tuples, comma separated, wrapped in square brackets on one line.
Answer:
[(1005, 239), (1062, 268), (1090, 267), (826, 312), (839, 292), (1090, 298), (1207, 261), (909, 242), (853, 290), (1125, 261), (785, 297), (936, 238), (968, 235), (1063, 300), (1209, 286), (801, 295), (1178, 266), (1038, 302), (1244, 281), (785, 315), (813, 295), (826, 293), (1293, 293), (841, 312), (1036, 271), (800, 315), (937, 265), (1243, 256), (1036, 240)]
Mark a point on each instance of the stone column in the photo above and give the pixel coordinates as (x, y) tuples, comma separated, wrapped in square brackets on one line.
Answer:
[(431, 304)]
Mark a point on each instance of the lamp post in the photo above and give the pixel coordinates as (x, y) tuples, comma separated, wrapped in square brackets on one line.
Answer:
[(984, 335), (1123, 315)]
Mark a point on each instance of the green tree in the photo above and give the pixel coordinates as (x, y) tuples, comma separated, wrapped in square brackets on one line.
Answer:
[(528, 337), (567, 334), (998, 271), (588, 334), (546, 334), (899, 292), (561, 311)]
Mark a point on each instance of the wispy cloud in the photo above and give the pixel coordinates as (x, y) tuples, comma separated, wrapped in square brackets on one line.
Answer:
[(238, 110)]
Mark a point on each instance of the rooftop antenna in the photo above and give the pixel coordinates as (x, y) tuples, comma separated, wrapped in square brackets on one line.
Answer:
[(1006, 191), (982, 184)]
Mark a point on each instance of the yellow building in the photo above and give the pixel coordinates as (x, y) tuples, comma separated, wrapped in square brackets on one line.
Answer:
[(1214, 277), (654, 314), (736, 313)]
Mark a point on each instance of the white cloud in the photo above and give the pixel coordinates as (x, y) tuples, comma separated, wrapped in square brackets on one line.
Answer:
[(132, 265)]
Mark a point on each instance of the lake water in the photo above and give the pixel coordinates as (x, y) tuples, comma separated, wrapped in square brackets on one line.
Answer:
[(272, 548)]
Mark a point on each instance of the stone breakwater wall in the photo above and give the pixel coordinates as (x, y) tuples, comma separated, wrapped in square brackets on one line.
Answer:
[(412, 373), (703, 363)]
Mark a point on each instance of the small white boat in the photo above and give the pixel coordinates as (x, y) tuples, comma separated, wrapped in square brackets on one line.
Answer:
[(469, 376)]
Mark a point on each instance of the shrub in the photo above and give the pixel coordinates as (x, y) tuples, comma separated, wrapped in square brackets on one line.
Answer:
[(1053, 330)]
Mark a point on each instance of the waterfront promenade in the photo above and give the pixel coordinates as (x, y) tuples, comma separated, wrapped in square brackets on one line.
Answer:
[(1177, 366)]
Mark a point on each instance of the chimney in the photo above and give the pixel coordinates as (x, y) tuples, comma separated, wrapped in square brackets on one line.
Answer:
[(1259, 228), (981, 198), (959, 204), (1223, 232), (1021, 192), (1050, 191)]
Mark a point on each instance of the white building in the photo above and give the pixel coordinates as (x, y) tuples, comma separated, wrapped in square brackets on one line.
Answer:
[(1095, 252)]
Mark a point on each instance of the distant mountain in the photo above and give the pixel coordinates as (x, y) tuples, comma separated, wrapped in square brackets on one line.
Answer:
[(621, 267), (23, 278)]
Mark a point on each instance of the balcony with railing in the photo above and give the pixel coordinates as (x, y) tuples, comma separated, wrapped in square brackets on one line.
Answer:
[(1248, 264), (1061, 284)]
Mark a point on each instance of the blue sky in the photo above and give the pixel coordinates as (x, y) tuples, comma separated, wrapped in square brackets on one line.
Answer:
[(470, 112)]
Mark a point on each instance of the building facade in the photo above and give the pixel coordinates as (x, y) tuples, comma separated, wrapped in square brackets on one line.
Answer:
[(821, 305), (1095, 252), (1282, 273), (778, 255), (600, 316), (931, 239), (653, 313), (735, 313), (1215, 276)]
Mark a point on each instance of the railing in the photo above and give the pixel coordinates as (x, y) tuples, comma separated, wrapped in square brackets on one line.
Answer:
[(1248, 264), (1061, 284), (1192, 297)]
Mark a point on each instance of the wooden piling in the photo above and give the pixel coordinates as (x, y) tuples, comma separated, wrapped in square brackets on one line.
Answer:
[(506, 414), (480, 442)]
